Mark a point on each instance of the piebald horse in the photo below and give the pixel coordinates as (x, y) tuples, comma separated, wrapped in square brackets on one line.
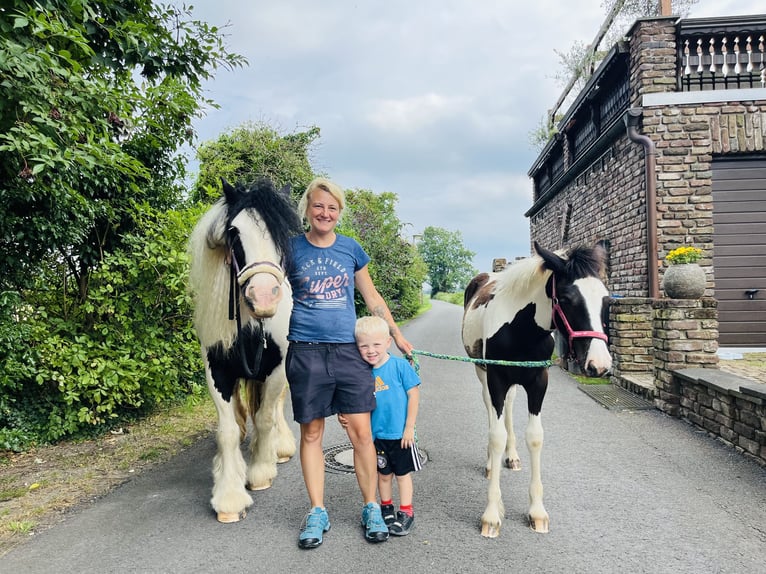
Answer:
[(510, 316), (239, 251)]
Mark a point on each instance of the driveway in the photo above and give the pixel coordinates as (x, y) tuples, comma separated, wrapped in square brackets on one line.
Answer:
[(628, 491)]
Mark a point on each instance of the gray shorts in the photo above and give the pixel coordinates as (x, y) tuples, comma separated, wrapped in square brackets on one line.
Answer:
[(328, 378)]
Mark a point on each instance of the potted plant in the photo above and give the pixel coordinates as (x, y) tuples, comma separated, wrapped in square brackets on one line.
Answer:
[(684, 278)]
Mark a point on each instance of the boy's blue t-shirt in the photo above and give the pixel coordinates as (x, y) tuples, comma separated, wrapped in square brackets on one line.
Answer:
[(392, 381), (322, 279)]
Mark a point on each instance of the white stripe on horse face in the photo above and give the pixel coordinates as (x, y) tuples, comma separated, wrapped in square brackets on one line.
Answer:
[(593, 291)]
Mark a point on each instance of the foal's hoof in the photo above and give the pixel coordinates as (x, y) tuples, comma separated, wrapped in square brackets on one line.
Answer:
[(282, 459), (229, 517), (539, 525), (513, 464), (490, 530)]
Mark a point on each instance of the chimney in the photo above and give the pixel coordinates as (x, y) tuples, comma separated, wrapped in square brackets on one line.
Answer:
[(665, 9)]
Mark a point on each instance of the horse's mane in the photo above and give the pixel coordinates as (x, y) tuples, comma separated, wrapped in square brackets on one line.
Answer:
[(276, 211), (209, 274)]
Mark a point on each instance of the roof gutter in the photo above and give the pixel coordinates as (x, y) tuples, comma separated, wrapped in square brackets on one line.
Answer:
[(632, 119)]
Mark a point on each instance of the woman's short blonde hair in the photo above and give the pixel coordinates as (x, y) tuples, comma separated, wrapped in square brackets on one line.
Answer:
[(371, 325), (325, 185)]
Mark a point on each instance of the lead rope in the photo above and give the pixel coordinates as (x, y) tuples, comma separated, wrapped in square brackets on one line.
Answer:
[(528, 364)]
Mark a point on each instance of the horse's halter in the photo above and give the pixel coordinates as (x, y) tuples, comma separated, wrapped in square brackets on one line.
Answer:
[(240, 276), (244, 273), (571, 333)]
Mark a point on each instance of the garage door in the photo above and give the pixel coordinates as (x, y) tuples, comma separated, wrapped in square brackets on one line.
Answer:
[(739, 258)]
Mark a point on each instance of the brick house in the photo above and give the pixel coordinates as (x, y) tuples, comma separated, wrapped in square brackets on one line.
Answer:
[(677, 114), (666, 146)]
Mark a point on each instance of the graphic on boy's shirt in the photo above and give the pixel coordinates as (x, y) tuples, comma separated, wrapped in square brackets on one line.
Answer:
[(324, 284), (380, 384)]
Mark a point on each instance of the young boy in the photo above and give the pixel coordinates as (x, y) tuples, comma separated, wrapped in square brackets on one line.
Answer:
[(397, 394)]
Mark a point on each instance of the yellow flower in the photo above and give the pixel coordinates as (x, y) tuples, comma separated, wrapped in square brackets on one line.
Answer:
[(685, 254)]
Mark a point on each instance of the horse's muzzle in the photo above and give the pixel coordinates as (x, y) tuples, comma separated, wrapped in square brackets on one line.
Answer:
[(262, 295)]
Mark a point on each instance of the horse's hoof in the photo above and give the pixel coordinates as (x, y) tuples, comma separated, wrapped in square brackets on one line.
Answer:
[(514, 464), (229, 517), (490, 530), (282, 459), (539, 525), (259, 487)]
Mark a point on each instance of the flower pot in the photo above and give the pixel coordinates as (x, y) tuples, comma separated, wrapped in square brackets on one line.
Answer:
[(684, 281)]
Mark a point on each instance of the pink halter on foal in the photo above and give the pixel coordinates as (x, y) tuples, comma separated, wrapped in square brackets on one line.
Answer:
[(571, 334)]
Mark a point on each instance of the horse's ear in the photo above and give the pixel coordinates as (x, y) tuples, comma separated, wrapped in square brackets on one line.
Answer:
[(229, 191), (285, 191), (552, 261)]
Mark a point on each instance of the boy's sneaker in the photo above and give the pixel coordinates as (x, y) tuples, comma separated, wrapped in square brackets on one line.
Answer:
[(403, 524), (389, 514), (316, 523), (375, 529)]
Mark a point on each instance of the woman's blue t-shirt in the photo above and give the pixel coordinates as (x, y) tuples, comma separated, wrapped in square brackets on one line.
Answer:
[(322, 279)]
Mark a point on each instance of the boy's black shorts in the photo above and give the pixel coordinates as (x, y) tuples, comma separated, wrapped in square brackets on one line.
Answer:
[(392, 458)]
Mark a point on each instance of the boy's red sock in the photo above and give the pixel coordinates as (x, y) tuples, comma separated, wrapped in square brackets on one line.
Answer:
[(407, 510), (386, 502)]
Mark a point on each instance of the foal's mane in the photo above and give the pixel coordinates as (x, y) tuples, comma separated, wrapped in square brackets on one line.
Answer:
[(524, 274), (584, 261)]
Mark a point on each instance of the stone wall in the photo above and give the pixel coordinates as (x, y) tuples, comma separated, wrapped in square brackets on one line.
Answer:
[(665, 351)]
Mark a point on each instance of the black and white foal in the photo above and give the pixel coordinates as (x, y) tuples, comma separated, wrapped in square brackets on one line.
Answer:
[(510, 316)]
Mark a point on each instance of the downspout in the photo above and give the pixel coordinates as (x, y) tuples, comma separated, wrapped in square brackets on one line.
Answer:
[(632, 118)]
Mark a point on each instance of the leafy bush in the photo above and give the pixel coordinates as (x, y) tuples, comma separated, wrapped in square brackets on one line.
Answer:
[(128, 348)]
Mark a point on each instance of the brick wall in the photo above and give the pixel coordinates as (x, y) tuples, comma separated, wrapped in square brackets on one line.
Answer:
[(608, 201)]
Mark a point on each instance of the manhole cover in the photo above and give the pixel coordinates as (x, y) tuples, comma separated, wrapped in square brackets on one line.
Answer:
[(340, 458), (615, 397)]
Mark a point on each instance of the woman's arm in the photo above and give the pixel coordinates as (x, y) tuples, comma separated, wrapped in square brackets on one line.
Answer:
[(377, 306)]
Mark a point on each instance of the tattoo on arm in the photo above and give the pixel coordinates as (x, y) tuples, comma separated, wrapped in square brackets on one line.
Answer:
[(380, 311)]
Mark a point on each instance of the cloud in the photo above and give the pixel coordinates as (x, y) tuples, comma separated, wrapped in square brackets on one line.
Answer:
[(432, 100)]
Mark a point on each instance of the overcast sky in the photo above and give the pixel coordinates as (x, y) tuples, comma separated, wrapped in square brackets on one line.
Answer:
[(432, 100)]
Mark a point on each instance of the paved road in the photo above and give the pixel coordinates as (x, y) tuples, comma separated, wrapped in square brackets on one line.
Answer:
[(631, 491)]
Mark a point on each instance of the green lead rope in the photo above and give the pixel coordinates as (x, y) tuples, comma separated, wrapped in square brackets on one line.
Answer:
[(529, 364)]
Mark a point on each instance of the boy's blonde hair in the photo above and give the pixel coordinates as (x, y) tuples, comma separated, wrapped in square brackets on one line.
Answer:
[(371, 326), (326, 185)]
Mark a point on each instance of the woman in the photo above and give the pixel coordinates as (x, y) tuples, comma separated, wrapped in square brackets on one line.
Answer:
[(327, 376)]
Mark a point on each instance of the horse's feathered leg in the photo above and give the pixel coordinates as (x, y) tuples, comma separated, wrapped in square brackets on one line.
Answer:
[(512, 459), (230, 499), (285, 437), (262, 467)]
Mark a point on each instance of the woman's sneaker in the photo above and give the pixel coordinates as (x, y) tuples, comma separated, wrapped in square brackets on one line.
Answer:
[(389, 514), (316, 523), (402, 525), (375, 529)]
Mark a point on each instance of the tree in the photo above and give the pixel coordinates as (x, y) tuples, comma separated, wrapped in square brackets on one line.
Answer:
[(96, 98), (448, 261), (396, 267), (253, 150)]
